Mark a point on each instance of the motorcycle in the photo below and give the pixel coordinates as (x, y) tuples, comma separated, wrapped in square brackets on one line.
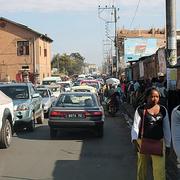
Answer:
[(112, 105)]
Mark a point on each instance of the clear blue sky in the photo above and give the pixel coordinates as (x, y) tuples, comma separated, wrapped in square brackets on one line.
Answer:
[(74, 24)]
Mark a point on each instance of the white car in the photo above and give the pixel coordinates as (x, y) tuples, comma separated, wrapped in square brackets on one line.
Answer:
[(6, 120), (47, 98), (65, 86)]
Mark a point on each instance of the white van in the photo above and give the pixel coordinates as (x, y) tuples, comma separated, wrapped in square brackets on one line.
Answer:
[(51, 81)]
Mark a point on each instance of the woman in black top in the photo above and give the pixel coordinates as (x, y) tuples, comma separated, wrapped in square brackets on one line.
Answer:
[(156, 126)]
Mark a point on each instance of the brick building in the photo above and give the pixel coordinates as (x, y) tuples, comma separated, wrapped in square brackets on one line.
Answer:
[(23, 49)]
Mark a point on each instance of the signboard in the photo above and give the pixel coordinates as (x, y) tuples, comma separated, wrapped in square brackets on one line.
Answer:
[(134, 48)]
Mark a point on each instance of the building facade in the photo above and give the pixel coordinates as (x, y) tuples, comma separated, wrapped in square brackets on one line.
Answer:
[(23, 50)]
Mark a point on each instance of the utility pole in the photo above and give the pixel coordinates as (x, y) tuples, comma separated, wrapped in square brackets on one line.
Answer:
[(113, 11), (171, 40)]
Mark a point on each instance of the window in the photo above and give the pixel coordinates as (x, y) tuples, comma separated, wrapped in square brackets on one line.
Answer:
[(40, 50), (22, 48), (45, 52)]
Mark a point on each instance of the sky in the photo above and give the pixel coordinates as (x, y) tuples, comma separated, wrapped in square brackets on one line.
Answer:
[(75, 26)]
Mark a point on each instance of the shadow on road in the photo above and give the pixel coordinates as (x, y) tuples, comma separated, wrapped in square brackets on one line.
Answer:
[(89, 157), (111, 157), (43, 133)]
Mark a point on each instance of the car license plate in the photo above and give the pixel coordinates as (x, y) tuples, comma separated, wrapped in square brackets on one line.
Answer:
[(73, 115)]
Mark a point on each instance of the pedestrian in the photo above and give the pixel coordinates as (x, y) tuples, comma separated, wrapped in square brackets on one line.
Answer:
[(175, 125), (151, 122), (131, 92)]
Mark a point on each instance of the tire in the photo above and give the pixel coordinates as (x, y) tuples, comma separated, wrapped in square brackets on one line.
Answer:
[(40, 119), (99, 131), (31, 124), (5, 134), (53, 133)]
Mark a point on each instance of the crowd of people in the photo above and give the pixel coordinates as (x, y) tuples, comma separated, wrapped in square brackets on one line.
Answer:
[(152, 124)]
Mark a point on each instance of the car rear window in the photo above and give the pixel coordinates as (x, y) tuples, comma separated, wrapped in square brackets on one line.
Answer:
[(76, 100)]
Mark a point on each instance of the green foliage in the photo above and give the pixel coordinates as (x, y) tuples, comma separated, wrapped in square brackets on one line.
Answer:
[(68, 64)]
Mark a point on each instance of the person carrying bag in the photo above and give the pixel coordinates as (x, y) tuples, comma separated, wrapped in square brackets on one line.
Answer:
[(151, 136)]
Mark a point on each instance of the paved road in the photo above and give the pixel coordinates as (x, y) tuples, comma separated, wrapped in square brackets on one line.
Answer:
[(75, 155)]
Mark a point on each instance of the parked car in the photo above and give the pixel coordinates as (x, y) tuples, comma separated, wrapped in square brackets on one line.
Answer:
[(47, 97), (76, 110), (6, 120), (27, 103)]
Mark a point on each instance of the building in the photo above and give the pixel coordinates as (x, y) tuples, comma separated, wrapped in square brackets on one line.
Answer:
[(23, 51)]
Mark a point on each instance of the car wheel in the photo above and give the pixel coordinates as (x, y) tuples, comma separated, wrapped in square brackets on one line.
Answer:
[(53, 133), (99, 131), (5, 134), (31, 124), (40, 119)]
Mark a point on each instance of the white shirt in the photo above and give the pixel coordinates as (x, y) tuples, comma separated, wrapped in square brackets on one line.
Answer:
[(166, 128)]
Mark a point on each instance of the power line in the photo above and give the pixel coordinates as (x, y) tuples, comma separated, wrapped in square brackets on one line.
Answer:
[(135, 13)]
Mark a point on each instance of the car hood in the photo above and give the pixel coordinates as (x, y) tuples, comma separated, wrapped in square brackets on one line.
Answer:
[(21, 101)]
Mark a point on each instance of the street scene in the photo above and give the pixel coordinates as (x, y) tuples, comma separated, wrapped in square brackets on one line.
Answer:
[(89, 90)]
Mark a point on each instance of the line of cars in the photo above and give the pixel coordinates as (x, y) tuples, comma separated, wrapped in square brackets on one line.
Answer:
[(28, 105), (79, 108)]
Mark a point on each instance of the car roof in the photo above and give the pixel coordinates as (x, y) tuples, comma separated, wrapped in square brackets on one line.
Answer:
[(83, 87), (85, 93), (16, 84)]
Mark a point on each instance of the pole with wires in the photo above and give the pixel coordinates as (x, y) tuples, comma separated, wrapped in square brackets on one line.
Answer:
[(113, 11)]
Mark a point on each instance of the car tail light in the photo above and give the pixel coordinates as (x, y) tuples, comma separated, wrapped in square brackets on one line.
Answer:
[(57, 114), (94, 113)]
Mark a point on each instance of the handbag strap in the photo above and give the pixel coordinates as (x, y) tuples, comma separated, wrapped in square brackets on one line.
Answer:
[(142, 128)]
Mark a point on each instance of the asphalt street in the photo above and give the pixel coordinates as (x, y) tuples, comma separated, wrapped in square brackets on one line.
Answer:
[(75, 154)]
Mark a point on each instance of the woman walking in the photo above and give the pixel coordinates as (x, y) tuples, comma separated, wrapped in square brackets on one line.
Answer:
[(151, 123)]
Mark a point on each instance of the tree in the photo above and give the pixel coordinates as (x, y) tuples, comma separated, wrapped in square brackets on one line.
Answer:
[(55, 61), (68, 64)]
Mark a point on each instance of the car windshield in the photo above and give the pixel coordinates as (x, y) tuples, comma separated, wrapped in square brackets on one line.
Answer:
[(16, 92), (76, 100), (43, 92)]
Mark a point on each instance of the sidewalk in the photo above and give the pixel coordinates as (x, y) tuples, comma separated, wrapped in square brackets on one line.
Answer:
[(173, 168)]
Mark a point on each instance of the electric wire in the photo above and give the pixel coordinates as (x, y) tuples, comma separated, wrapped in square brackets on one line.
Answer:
[(135, 13)]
